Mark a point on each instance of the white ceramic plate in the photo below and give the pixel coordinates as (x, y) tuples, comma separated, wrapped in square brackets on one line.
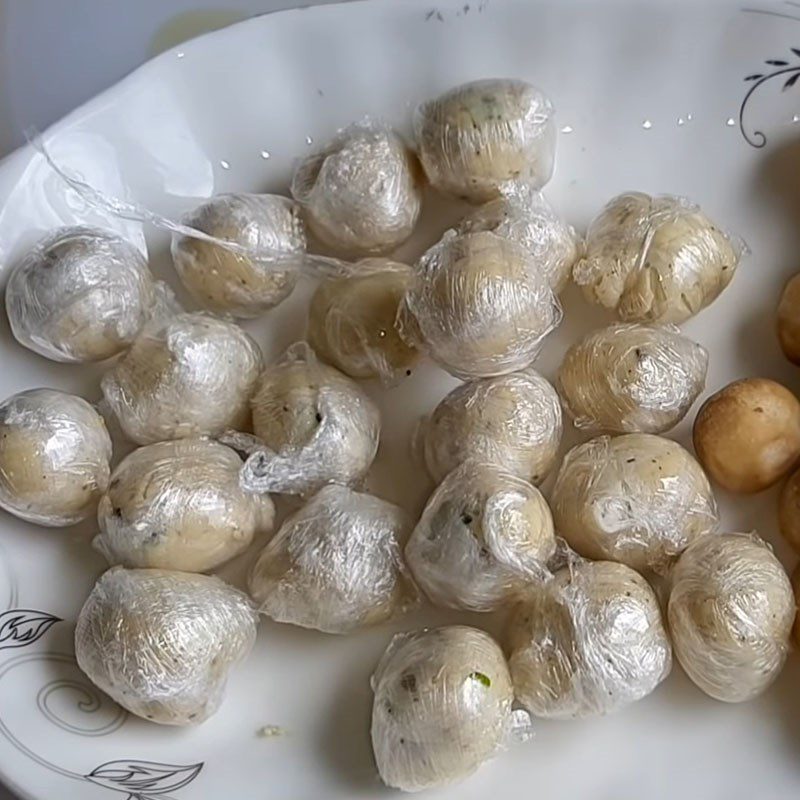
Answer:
[(650, 95)]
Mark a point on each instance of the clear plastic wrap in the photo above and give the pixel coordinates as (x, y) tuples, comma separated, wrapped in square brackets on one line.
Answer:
[(655, 259), (161, 643), (192, 374), (54, 457), (81, 294), (442, 707), (631, 377), (731, 610), (313, 426), (351, 322), (362, 192), (479, 305), (523, 215), (336, 564), (485, 535), (475, 137), (511, 420), (179, 505), (589, 642), (638, 499), (230, 283)]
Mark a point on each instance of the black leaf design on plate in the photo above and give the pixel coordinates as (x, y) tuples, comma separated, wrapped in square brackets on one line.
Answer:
[(144, 780), (22, 626), (788, 71)]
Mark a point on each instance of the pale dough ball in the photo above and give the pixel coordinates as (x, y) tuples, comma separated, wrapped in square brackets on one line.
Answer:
[(655, 259), (511, 420), (362, 192), (335, 565), (317, 426), (484, 537), (589, 642), (442, 706), (789, 320), (747, 435), (479, 306), (351, 322), (731, 610), (631, 377), (638, 499), (524, 216), (226, 282), (161, 643), (191, 375), (54, 457), (81, 294), (475, 137), (179, 505), (789, 511)]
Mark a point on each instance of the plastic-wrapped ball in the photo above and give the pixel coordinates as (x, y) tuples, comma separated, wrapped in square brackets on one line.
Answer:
[(731, 611), (362, 192), (190, 375), (638, 499), (484, 537), (442, 706), (335, 565), (179, 505), (524, 216), (511, 420), (479, 305), (631, 377), (231, 283), (589, 642), (161, 643), (351, 323), (54, 457), (81, 294), (317, 426), (655, 259), (475, 137)]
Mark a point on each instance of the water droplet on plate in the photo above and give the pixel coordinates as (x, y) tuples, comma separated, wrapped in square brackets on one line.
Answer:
[(567, 129), (730, 122), (181, 54), (265, 154), (647, 124), (309, 140), (224, 164), (681, 121), (796, 118), (689, 117)]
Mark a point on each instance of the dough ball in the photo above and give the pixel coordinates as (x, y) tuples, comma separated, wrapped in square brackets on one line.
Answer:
[(512, 420), (442, 706), (54, 457), (524, 216), (631, 377), (479, 306), (655, 259), (81, 294), (731, 610), (789, 320), (747, 435), (351, 323), (335, 565), (485, 535), (230, 283), (161, 643), (796, 588), (638, 499), (316, 424), (475, 137), (190, 375), (789, 511), (362, 192), (589, 642), (178, 505)]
